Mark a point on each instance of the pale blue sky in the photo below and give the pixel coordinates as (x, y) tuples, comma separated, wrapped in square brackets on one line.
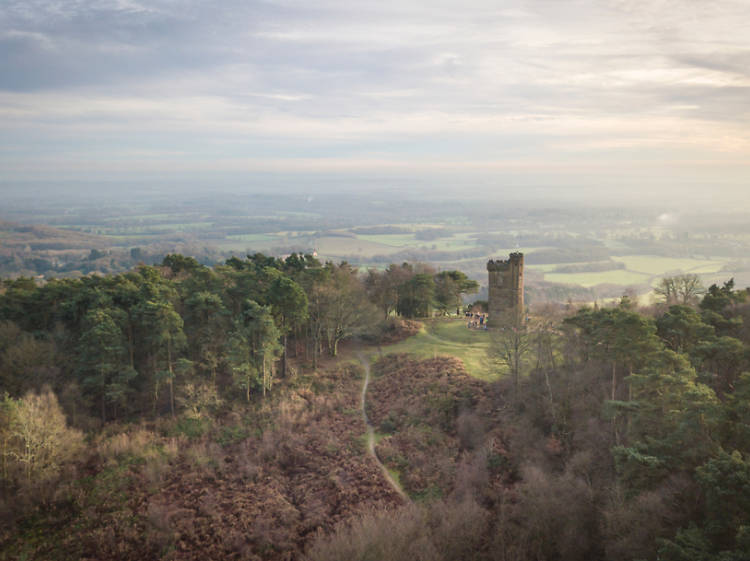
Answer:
[(610, 95)]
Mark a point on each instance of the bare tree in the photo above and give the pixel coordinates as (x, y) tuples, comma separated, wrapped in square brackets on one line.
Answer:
[(509, 346), (680, 289), (37, 439), (689, 287), (667, 290)]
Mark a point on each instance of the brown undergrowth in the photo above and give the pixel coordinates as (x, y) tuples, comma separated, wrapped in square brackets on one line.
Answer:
[(258, 485), (489, 484), (398, 329), (440, 428)]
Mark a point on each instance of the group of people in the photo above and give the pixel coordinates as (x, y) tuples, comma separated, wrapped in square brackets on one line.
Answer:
[(476, 320)]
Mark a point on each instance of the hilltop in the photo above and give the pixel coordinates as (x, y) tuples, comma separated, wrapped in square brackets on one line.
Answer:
[(181, 411)]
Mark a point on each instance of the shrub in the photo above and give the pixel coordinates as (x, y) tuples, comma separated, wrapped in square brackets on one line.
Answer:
[(35, 438), (441, 531)]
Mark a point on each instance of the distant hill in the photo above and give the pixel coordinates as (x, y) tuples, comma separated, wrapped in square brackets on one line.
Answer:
[(39, 238)]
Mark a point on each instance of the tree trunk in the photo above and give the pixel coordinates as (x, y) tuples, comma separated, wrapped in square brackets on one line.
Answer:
[(104, 385), (171, 375), (283, 358), (265, 381), (131, 346), (156, 383), (614, 416)]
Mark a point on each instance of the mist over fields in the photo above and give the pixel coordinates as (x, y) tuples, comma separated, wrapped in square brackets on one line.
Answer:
[(578, 248)]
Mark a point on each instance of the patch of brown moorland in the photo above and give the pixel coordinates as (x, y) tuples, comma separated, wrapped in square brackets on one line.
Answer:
[(398, 329), (38, 237), (263, 497), (441, 427)]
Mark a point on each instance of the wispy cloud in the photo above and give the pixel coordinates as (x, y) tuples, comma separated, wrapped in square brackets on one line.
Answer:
[(485, 86)]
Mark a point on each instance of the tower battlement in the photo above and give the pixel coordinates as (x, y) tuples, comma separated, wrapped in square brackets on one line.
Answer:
[(505, 264), (505, 290)]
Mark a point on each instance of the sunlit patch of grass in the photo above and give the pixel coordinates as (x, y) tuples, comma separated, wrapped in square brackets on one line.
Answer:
[(450, 337), (396, 476)]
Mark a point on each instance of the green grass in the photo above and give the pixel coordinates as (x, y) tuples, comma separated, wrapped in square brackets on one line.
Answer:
[(657, 265), (396, 476), (379, 436), (450, 337), (621, 276), (639, 269)]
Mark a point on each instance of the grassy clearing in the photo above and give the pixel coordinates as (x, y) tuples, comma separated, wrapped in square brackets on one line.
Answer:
[(657, 265), (450, 337)]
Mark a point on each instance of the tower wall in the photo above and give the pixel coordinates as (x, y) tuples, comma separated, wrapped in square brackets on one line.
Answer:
[(506, 290)]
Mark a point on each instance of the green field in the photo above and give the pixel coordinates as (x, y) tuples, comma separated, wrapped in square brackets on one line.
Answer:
[(547, 267), (116, 230), (620, 276), (338, 246), (657, 265), (450, 244), (394, 240), (450, 337), (639, 269), (403, 241), (255, 238)]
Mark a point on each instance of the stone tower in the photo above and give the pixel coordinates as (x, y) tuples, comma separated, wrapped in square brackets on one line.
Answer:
[(506, 290)]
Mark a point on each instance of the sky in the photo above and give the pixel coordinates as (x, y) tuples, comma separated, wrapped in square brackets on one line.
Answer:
[(600, 97)]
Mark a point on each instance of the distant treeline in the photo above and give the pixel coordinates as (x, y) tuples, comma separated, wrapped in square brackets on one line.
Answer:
[(68, 262)]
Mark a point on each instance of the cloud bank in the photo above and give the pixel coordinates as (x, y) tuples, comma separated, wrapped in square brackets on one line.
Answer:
[(610, 93)]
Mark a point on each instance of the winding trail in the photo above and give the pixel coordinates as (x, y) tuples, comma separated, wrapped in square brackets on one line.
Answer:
[(371, 433)]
